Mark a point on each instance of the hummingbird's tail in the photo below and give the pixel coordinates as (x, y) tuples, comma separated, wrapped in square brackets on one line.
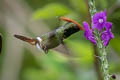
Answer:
[(26, 39)]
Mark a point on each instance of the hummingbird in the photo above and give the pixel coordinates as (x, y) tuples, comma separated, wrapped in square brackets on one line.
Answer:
[(54, 38)]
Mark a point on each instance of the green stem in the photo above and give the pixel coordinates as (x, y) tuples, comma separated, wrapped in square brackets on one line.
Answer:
[(100, 45), (104, 65), (103, 57), (92, 8)]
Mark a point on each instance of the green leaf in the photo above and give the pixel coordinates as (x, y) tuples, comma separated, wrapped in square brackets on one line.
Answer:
[(83, 51), (50, 11), (79, 5), (115, 19), (115, 44)]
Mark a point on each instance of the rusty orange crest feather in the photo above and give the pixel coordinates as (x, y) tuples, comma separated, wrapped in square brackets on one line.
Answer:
[(72, 21)]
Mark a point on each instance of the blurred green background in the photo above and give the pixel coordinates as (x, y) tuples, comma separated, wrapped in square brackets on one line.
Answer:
[(32, 18)]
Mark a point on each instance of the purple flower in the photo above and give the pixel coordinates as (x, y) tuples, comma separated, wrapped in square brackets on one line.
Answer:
[(107, 34), (106, 37), (99, 20), (108, 26), (88, 33)]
